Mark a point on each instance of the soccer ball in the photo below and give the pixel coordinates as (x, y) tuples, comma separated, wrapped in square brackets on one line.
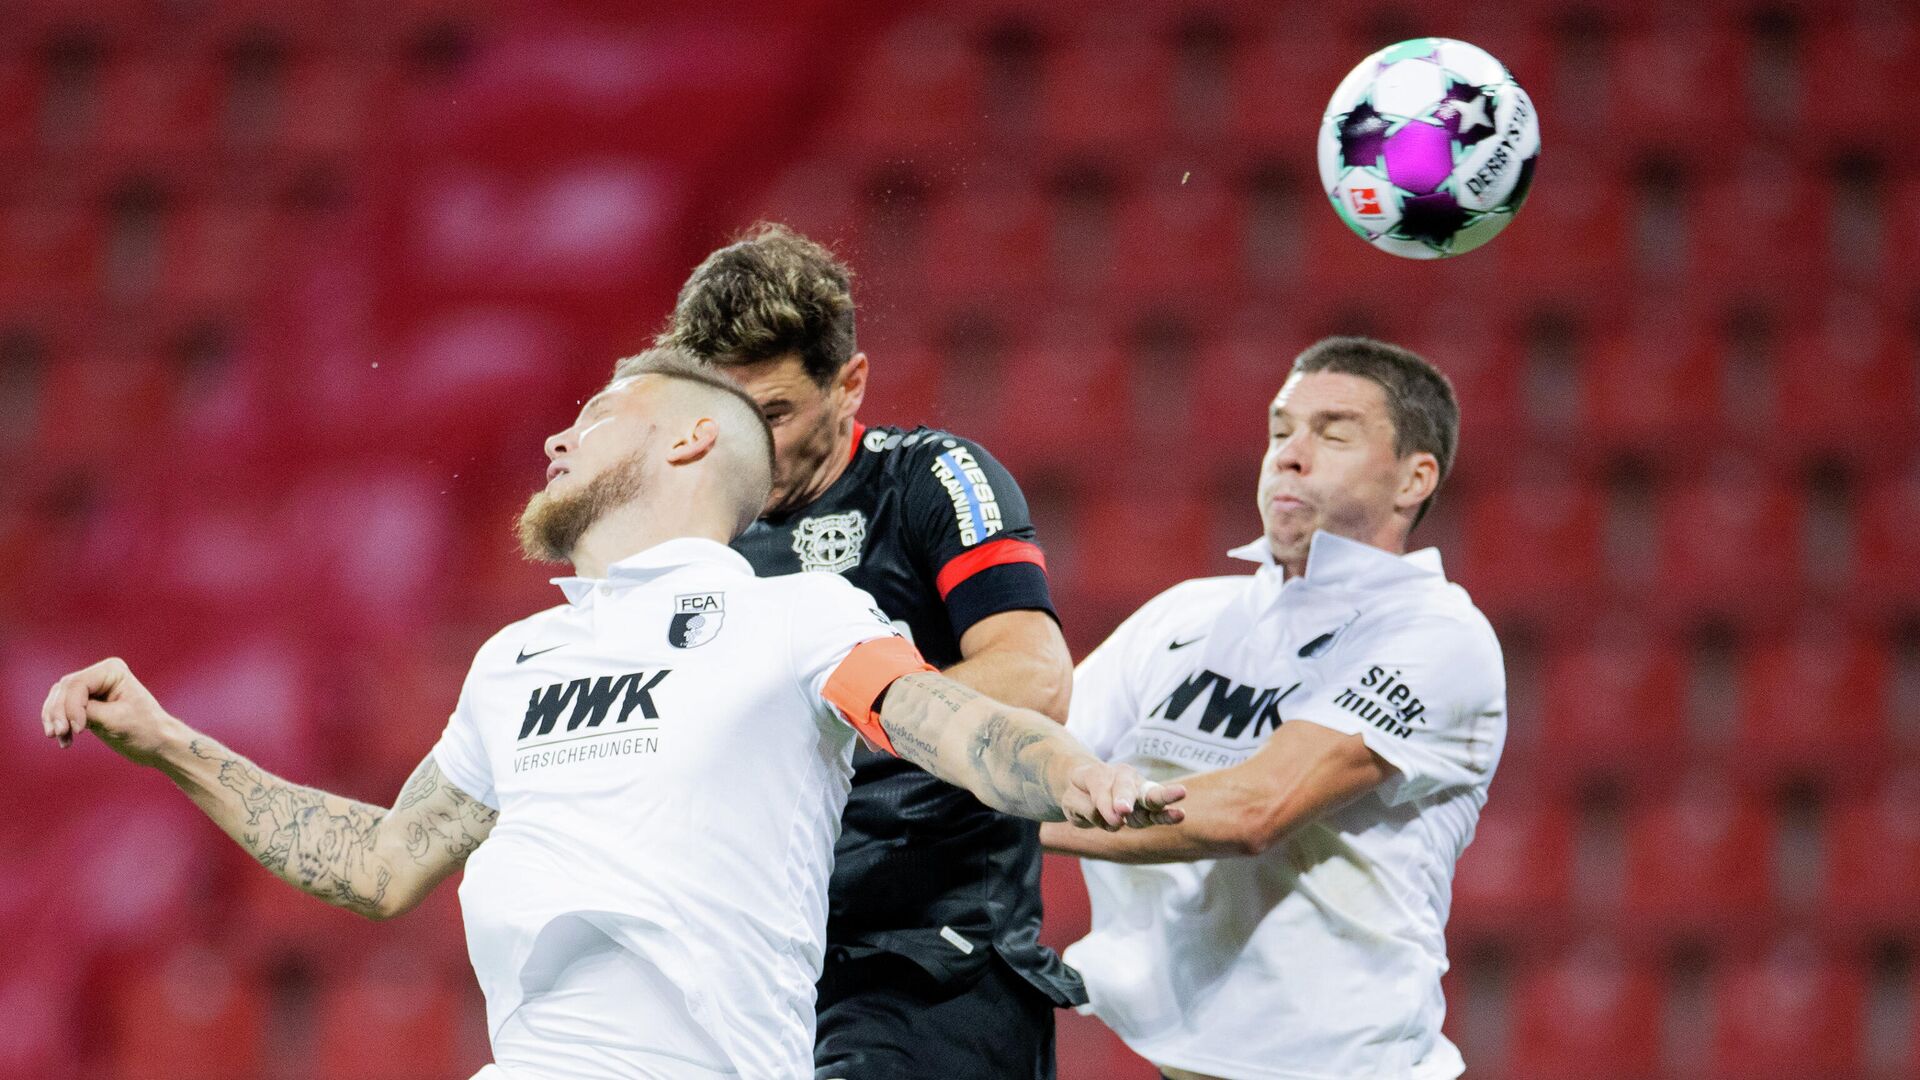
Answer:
[(1428, 147)]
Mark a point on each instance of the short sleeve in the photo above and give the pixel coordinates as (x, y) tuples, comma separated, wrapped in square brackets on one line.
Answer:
[(462, 757), (846, 651), (1105, 702), (1428, 695), (969, 524)]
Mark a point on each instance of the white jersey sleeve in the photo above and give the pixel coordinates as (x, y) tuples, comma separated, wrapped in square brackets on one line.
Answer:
[(1106, 690), (461, 756), (1427, 693), (846, 652)]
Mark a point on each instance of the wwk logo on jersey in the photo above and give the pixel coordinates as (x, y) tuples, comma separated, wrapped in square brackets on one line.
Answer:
[(1397, 709), (1230, 707), (974, 504), (591, 701), (831, 542), (696, 619)]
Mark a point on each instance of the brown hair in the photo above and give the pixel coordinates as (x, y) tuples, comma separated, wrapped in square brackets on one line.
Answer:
[(1420, 400), (769, 293)]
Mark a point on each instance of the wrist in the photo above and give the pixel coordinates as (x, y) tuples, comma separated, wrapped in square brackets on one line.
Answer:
[(173, 746)]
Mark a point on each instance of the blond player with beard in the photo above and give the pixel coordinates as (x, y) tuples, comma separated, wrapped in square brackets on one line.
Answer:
[(643, 783)]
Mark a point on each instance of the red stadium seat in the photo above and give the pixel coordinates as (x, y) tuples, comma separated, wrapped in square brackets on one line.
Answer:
[(1519, 867), (157, 109), (1574, 243), (50, 252), (1106, 90), (194, 1014), (1730, 543), (1130, 550), (331, 108), (1887, 546), (918, 92), (1651, 384), (1590, 1013), (1533, 544), (1282, 80), (1857, 71), (396, 1019), (1812, 703), (1872, 849), (1067, 379), (1789, 1014), (1179, 239), (1847, 375), (1670, 80), (988, 240), (1695, 855), (1614, 705), (1759, 228)]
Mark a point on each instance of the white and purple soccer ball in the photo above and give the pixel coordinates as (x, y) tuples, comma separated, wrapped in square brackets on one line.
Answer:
[(1428, 147)]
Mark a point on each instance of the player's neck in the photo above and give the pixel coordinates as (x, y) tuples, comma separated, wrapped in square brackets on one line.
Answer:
[(632, 529)]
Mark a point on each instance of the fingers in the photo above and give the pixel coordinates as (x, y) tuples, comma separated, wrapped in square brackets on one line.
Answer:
[(1126, 795), (1107, 814), (1160, 796), (1154, 807), (64, 714)]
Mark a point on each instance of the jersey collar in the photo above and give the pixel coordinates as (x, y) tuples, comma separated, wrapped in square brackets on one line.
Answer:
[(656, 561), (1336, 560)]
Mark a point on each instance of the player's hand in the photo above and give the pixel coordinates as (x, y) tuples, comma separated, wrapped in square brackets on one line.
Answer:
[(1113, 797), (109, 700)]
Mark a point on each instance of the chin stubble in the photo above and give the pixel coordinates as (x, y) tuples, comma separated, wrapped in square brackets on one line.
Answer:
[(551, 525)]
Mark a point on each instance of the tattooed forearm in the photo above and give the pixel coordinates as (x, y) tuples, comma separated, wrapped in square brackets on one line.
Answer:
[(1005, 756), (320, 843), (352, 854)]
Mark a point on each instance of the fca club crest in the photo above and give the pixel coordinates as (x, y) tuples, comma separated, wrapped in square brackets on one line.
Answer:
[(696, 619), (831, 542)]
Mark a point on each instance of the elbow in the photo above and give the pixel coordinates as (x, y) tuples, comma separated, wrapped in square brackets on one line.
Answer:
[(1054, 690), (389, 904)]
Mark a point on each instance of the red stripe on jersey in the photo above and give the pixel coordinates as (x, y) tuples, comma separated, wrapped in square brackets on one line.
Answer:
[(856, 685), (853, 451), (993, 553)]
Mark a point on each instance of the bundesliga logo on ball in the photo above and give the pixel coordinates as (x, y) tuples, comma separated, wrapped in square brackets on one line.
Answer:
[(1428, 147)]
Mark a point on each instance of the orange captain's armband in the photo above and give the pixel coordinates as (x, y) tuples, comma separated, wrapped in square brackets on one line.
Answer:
[(856, 685)]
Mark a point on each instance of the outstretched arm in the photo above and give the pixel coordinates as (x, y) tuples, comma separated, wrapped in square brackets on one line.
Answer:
[(373, 860), (1016, 760), (1303, 771)]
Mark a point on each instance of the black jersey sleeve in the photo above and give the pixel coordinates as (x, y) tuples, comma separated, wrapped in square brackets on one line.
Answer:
[(968, 522)]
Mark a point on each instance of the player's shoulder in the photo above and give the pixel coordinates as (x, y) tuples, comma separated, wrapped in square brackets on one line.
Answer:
[(1201, 593), (1184, 610), (1443, 617), (912, 448), (812, 589)]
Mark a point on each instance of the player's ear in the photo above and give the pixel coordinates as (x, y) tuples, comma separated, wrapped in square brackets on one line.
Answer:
[(694, 443), (1419, 476), (851, 383)]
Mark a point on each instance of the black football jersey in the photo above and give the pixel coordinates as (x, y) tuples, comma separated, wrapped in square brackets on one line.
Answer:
[(938, 532)]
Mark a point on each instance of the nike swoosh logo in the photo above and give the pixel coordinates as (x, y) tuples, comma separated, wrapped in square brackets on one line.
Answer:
[(526, 656), (1172, 645)]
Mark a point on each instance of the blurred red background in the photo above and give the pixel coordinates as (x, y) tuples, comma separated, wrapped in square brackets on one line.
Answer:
[(290, 295)]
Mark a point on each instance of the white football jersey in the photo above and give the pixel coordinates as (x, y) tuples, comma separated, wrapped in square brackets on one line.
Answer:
[(669, 773), (1321, 958)]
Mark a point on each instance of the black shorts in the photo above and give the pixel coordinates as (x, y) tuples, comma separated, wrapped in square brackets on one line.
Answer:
[(883, 1017)]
